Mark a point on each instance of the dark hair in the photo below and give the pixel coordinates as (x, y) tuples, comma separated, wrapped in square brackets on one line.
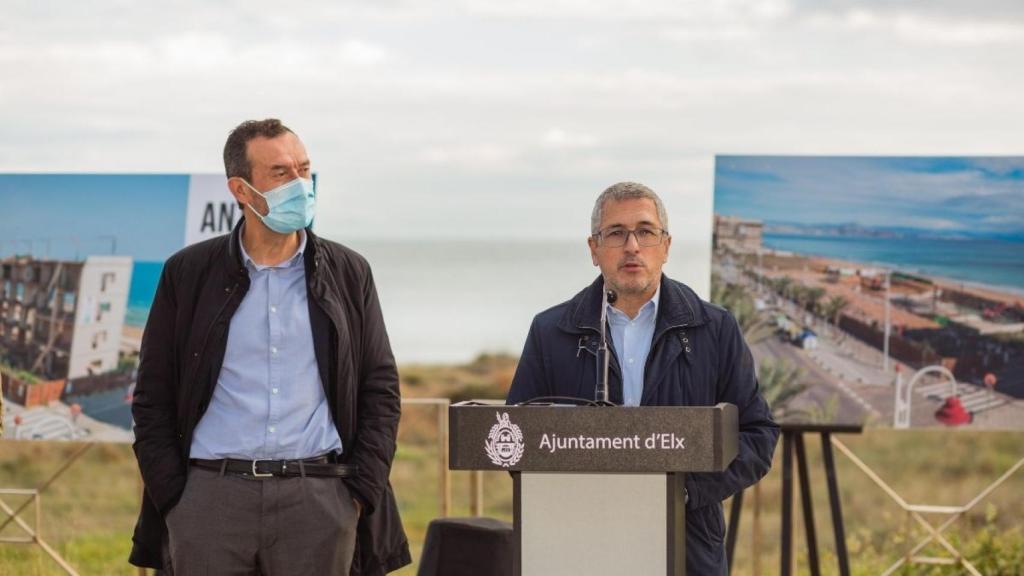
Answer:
[(236, 157)]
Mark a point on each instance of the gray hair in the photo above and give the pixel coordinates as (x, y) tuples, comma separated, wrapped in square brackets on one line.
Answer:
[(626, 191)]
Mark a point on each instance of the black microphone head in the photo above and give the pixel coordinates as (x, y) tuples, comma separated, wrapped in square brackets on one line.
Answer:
[(612, 296)]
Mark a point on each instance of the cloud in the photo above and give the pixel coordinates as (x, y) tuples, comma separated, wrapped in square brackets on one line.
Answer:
[(541, 100), (478, 156), (556, 138), (932, 30), (363, 53), (625, 11)]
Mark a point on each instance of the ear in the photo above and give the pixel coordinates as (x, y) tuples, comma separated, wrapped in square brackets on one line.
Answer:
[(239, 190), (668, 244), (592, 243)]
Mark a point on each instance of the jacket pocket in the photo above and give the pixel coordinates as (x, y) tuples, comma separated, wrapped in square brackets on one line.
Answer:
[(707, 524)]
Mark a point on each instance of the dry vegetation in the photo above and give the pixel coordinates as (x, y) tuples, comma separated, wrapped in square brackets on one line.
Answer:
[(89, 513)]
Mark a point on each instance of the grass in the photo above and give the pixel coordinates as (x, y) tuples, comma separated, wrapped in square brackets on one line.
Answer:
[(935, 466), (89, 513)]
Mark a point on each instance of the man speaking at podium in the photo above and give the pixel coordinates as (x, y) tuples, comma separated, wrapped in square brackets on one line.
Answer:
[(668, 348)]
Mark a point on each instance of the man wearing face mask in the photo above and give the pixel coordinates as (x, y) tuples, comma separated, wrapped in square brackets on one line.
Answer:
[(267, 400)]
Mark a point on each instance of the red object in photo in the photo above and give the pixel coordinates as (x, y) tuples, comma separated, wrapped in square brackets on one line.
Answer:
[(990, 381), (953, 413)]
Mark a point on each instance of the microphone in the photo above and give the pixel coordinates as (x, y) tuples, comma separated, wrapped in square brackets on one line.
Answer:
[(608, 296)]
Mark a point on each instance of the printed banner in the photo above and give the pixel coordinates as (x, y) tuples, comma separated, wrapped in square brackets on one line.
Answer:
[(80, 258), (879, 290)]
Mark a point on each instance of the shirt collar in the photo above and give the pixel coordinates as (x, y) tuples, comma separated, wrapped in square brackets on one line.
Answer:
[(651, 304), (249, 263)]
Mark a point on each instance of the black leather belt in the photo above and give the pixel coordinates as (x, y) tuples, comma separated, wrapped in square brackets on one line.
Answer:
[(320, 466)]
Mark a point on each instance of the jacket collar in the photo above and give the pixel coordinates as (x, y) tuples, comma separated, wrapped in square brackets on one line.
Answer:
[(236, 264), (678, 307)]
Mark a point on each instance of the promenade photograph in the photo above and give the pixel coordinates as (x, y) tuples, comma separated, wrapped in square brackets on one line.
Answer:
[(891, 289)]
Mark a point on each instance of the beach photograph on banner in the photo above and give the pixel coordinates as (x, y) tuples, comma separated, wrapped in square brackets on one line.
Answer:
[(80, 260), (882, 290)]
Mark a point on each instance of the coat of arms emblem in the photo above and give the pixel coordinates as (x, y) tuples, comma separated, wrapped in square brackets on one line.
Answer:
[(504, 444)]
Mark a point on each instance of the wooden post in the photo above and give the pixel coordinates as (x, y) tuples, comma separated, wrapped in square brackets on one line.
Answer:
[(444, 474)]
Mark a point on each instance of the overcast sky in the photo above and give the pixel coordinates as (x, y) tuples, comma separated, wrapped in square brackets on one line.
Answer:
[(504, 118)]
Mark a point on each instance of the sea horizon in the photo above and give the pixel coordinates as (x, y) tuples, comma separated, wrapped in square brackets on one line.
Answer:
[(450, 300), (982, 263)]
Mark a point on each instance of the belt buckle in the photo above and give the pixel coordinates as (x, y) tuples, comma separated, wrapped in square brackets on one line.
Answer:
[(256, 474)]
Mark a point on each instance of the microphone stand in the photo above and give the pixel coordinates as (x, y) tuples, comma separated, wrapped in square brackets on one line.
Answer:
[(602, 396)]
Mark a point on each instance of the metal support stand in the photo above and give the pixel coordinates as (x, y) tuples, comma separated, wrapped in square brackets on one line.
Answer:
[(833, 500), (476, 493), (807, 505), (787, 504), (793, 435), (794, 453), (34, 533), (734, 525)]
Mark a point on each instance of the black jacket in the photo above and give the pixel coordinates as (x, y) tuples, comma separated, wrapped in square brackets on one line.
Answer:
[(698, 358), (182, 351)]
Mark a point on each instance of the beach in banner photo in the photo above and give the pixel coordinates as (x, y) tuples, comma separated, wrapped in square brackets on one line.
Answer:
[(887, 290), (80, 259)]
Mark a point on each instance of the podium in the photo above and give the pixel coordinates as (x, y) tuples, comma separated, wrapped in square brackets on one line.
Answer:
[(597, 490)]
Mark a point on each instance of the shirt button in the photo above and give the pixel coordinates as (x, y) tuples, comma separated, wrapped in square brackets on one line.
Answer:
[(630, 360), (273, 350), (274, 391), (271, 429), (273, 308)]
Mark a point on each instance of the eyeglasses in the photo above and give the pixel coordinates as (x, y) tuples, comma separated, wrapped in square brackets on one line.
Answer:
[(618, 237)]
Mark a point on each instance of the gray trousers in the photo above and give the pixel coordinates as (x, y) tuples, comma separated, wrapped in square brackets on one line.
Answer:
[(226, 525)]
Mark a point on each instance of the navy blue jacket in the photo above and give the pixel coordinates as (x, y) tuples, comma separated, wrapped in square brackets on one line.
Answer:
[(698, 358)]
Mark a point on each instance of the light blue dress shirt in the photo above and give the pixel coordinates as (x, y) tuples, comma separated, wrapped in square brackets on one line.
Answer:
[(632, 338), (269, 402)]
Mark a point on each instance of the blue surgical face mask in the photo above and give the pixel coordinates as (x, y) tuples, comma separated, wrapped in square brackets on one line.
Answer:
[(291, 205)]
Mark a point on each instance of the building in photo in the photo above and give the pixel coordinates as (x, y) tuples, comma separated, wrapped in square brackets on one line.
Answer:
[(61, 320)]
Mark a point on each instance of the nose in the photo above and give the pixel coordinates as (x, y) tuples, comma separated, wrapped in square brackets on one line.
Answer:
[(632, 242)]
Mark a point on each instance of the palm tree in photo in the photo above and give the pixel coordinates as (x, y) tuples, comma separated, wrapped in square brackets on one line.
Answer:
[(834, 307), (819, 413), (755, 324), (814, 296), (780, 382)]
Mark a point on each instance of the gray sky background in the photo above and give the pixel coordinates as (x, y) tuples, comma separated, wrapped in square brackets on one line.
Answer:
[(498, 118)]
